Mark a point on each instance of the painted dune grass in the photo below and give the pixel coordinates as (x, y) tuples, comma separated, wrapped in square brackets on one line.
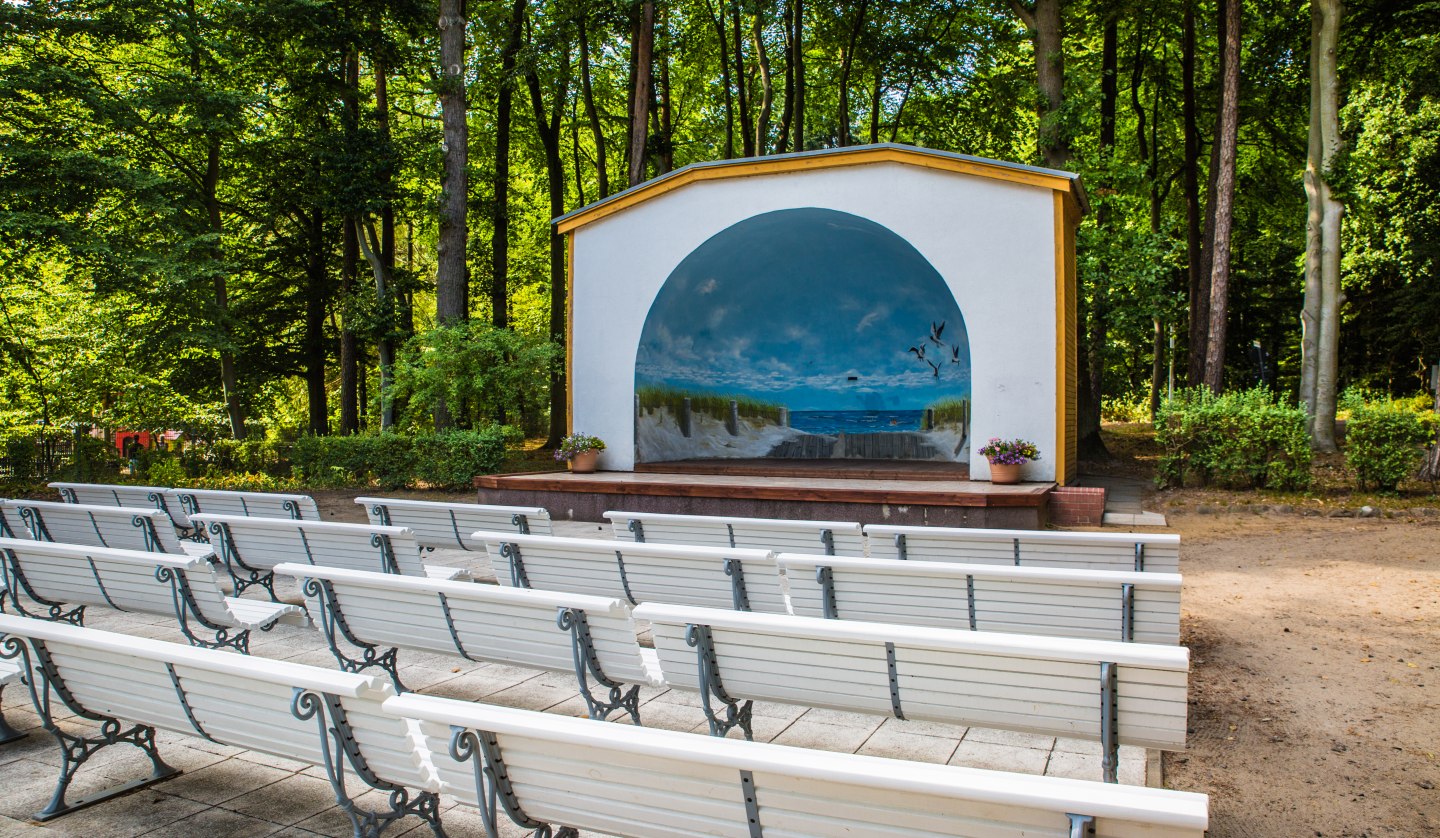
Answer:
[(948, 412), (714, 405)]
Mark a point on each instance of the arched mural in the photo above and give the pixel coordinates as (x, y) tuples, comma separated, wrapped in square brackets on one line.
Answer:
[(803, 334)]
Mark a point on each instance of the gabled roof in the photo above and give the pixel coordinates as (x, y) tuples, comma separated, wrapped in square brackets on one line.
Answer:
[(1058, 180)]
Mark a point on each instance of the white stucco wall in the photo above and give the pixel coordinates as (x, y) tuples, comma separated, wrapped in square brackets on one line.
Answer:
[(992, 241)]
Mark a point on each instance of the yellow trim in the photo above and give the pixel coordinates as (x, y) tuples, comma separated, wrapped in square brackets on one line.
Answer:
[(569, 335), (769, 166), (1062, 354)]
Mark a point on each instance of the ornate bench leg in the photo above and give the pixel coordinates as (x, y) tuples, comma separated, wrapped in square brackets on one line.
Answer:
[(339, 748), (332, 623), (187, 609), (736, 714), (8, 734), (587, 666), (44, 682), (493, 792)]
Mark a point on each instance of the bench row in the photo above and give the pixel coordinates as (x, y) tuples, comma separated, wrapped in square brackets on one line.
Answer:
[(445, 525), (1112, 692), (542, 771)]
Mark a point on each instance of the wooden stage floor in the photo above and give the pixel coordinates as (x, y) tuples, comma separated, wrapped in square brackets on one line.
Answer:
[(931, 498)]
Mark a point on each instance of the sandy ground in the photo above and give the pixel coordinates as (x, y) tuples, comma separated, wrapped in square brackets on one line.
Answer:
[(1315, 698), (1315, 695)]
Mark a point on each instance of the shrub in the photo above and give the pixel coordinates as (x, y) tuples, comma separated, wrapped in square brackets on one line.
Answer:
[(1243, 438), (1132, 408), (1385, 442), (92, 461), (450, 460), (165, 471)]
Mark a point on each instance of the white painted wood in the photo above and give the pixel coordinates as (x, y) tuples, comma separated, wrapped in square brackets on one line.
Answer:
[(106, 494), (247, 504), (446, 525), (650, 783), (779, 536), (1078, 550), (98, 577), (236, 700), (101, 526), (668, 573), (1022, 600), (263, 543), (494, 624), (1015, 682)]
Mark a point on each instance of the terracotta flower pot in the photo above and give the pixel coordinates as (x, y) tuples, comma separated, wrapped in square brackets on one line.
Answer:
[(584, 461), (1004, 473)]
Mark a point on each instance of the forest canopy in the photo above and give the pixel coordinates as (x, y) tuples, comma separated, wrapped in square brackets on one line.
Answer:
[(277, 217)]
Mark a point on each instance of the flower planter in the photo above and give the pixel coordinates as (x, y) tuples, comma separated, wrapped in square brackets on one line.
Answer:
[(1004, 473), (584, 461)]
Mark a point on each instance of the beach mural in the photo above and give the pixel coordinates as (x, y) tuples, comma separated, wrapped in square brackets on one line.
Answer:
[(804, 334)]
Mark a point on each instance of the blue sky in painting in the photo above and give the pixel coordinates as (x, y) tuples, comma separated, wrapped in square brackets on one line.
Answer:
[(812, 308)]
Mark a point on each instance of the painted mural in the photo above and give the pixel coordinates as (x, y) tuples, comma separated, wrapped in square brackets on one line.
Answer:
[(803, 334)]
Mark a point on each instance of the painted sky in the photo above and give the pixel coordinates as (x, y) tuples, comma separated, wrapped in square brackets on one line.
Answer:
[(812, 308)]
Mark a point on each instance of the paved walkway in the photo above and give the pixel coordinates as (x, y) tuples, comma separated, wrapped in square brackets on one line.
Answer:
[(1123, 496), (229, 792)]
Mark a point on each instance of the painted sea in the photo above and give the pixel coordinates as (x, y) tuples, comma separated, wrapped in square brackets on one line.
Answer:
[(855, 421)]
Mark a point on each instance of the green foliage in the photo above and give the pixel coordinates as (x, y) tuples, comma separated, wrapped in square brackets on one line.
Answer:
[(1242, 438), (714, 405), (1385, 443), (479, 371), (92, 461), (166, 471), (447, 460), (1132, 408)]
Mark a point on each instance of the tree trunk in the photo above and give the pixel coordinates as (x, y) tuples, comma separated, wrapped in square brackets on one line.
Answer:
[(548, 127), (602, 175), (1224, 199), (742, 95), (1197, 289), (317, 291), (452, 280), (370, 244), (1091, 446), (1320, 315), (799, 61), (666, 133), (1046, 27), (717, 19), (767, 86), (847, 60), (500, 211), (787, 109), (349, 344), (640, 104)]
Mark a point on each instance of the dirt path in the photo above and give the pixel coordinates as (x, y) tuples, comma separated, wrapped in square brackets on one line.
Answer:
[(1315, 695)]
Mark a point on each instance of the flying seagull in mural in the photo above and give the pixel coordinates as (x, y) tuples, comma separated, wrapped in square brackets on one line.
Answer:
[(919, 351), (936, 330)]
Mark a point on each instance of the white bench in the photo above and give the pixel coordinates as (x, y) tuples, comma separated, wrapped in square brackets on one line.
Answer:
[(590, 636), (247, 504), (123, 528), (544, 771), (133, 686), (67, 578), (250, 548), (833, 538), (1078, 550), (446, 525), (1114, 693), (108, 494), (1095, 604), (9, 674), (746, 580)]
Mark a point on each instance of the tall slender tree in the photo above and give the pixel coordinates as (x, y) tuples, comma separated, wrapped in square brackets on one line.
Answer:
[(452, 278), (1222, 207), (642, 63)]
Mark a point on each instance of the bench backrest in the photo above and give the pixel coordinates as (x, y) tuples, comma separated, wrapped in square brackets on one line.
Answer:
[(708, 576), (1052, 686), (1096, 604), (1035, 548), (446, 525), (123, 528), (232, 699), (263, 543), (837, 538), (126, 580), (107, 494), (479, 622), (619, 780), (248, 504)]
